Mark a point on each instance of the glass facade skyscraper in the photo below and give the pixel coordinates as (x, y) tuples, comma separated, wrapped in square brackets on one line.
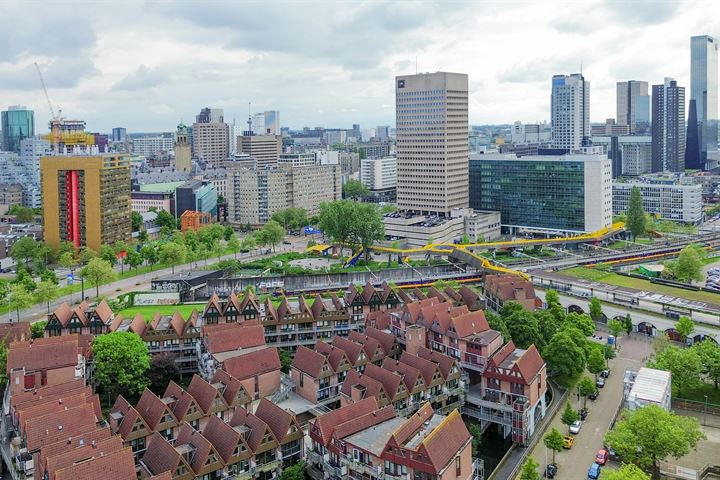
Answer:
[(17, 123), (704, 91)]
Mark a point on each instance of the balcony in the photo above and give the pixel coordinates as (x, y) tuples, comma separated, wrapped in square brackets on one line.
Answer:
[(268, 467), (314, 458), (478, 469)]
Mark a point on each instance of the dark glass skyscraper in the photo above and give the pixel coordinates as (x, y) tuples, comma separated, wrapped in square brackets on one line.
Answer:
[(17, 123), (704, 92)]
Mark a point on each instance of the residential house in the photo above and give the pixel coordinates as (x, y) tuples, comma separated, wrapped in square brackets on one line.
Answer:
[(499, 289)]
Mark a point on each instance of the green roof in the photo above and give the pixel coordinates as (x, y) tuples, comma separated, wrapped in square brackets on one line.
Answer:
[(160, 187)]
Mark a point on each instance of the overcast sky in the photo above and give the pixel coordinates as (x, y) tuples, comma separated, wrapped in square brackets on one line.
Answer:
[(147, 65)]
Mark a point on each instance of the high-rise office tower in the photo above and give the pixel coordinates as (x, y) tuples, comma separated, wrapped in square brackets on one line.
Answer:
[(17, 123), (211, 136), (272, 122), (633, 105), (86, 199), (183, 153), (704, 93), (432, 142), (668, 127), (382, 133), (570, 111), (265, 149), (119, 134)]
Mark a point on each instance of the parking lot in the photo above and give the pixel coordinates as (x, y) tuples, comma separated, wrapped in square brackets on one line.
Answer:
[(574, 463)]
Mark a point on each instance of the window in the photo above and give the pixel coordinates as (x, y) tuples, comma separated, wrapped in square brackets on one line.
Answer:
[(457, 466)]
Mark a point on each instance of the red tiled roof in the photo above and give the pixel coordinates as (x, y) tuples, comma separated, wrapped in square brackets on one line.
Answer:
[(234, 389), (370, 345), (14, 332), (233, 336), (409, 373), (63, 313), (222, 436), (507, 287), (257, 427), (499, 357), (469, 296), (351, 349), (325, 424), (151, 408), (49, 391), (130, 416), (61, 446), (380, 319), (119, 465), (363, 422), (446, 441), (253, 363), (276, 418), (43, 353), (470, 324), (103, 312), (390, 380), (372, 387), (203, 447), (444, 362), (426, 367), (50, 428), (413, 424), (530, 363), (79, 454), (309, 361), (367, 292), (34, 410), (386, 340), (215, 303), (204, 393), (160, 456), (434, 292)]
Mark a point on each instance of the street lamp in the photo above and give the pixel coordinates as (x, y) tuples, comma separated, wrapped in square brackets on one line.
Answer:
[(705, 414)]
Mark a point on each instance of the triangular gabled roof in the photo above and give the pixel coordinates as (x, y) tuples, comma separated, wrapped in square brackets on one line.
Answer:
[(138, 326), (309, 361), (162, 457), (213, 304), (223, 437), (205, 394), (363, 422), (368, 292), (103, 312), (351, 349), (413, 424), (234, 392), (152, 409), (258, 428), (409, 373), (276, 418), (444, 362), (62, 314), (445, 441), (318, 307), (249, 298), (325, 424), (205, 458), (387, 341), (335, 355)]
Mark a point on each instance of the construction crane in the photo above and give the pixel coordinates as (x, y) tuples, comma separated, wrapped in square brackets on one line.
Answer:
[(55, 120)]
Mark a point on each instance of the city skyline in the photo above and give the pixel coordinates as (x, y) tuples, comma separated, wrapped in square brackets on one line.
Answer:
[(148, 68)]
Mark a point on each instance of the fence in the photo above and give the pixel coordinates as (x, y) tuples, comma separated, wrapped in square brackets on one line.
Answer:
[(702, 407)]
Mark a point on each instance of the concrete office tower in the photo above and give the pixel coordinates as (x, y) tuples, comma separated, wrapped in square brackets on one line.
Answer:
[(633, 105), (382, 133), (264, 148), (272, 122), (211, 136), (119, 134), (86, 199), (668, 127), (432, 142), (17, 122), (704, 92), (570, 111), (183, 151)]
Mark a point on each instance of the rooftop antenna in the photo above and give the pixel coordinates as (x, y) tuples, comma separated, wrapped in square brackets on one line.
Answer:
[(249, 122)]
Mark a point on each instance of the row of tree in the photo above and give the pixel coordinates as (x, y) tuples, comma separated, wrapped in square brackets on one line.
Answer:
[(352, 223)]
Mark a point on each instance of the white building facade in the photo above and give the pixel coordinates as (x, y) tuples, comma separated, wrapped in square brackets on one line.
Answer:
[(669, 201), (570, 111)]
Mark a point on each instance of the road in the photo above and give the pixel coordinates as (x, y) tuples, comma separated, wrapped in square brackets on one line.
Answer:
[(574, 463), (140, 282)]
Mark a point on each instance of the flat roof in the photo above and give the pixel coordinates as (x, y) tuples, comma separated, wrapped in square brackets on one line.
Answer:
[(160, 187), (651, 385), (375, 438)]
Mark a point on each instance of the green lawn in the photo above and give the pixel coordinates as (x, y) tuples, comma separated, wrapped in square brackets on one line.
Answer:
[(149, 311), (595, 275), (698, 394)]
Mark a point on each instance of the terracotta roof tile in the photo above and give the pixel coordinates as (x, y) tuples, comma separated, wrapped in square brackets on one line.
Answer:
[(64, 445), (103, 312), (335, 355), (470, 324), (444, 362), (390, 380), (409, 373), (276, 418), (71, 456), (233, 336), (203, 449), (324, 425), (253, 363), (426, 367), (152, 409), (370, 345), (386, 340), (379, 319), (130, 416), (63, 313), (222, 436), (43, 353), (204, 393), (372, 387), (351, 349), (413, 424), (530, 363), (446, 441), (35, 410), (14, 332), (160, 456), (257, 427), (119, 465), (233, 392), (40, 431), (309, 361), (363, 422), (469, 296), (49, 391)]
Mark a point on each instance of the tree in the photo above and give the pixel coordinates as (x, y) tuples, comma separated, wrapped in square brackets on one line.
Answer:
[(651, 434), (137, 221), (162, 370), (248, 243), (142, 236), (19, 298), (107, 253), (86, 254), (164, 219), (685, 327), (37, 329), (626, 472), (228, 232), (564, 357), (286, 359), (580, 321), (45, 292), (172, 253), (291, 218), (529, 470), (709, 353), (22, 214), (335, 220), (133, 258), (684, 364), (149, 254), (586, 386), (608, 353), (523, 326), (97, 272), (497, 323), (233, 243), (367, 226), (548, 323), (689, 264), (569, 416), (67, 260), (595, 309), (272, 233), (476, 438), (616, 327), (554, 441), (355, 190), (25, 250), (120, 363), (49, 276), (23, 278), (636, 219), (552, 297), (294, 472), (628, 324), (596, 361)]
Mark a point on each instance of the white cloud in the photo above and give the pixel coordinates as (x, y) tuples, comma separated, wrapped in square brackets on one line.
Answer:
[(148, 65)]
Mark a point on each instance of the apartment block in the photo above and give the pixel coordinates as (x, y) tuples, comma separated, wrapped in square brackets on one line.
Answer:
[(265, 149), (666, 200), (570, 112), (210, 142), (86, 199), (499, 289)]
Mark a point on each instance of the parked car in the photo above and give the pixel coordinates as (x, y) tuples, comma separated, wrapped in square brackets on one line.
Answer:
[(285, 242), (605, 373), (550, 471), (600, 382), (594, 395), (575, 427), (583, 414), (568, 442), (602, 457), (594, 471)]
